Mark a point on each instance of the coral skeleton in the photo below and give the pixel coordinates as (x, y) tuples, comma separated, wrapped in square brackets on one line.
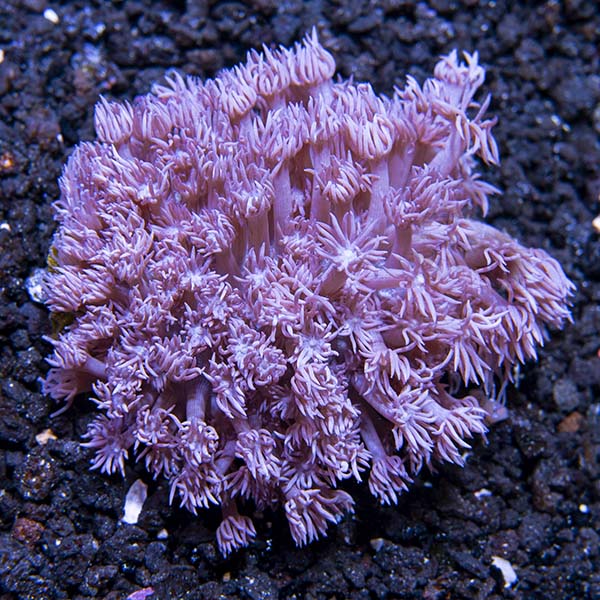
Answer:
[(277, 281)]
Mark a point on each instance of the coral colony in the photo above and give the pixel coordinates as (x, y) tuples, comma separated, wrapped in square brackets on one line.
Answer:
[(274, 285)]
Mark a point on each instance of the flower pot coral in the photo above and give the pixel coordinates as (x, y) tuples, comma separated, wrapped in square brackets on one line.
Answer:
[(277, 281)]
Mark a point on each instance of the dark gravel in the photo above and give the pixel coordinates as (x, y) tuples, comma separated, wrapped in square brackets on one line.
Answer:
[(531, 495)]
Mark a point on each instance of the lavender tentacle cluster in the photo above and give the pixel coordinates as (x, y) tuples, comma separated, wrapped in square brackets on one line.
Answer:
[(275, 284)]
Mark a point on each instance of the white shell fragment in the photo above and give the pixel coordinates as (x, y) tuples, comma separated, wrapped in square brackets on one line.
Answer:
[(482, 493), (50, 15), (134, 501), (507, 570)]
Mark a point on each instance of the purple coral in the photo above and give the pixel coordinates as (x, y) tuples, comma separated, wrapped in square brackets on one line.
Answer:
[(275, 285)]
